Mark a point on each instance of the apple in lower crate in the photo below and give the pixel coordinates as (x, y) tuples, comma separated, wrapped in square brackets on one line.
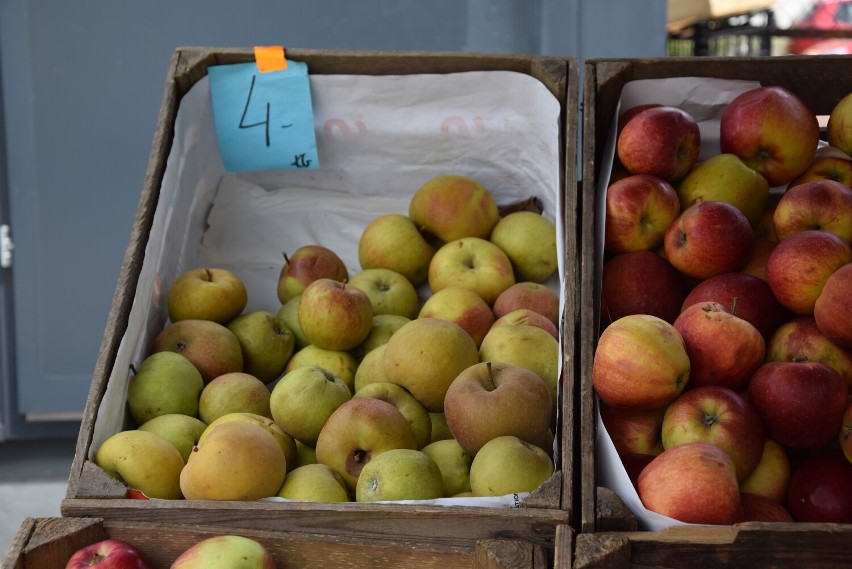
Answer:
[(633, 432), (639, 209), (462, 306), (357, 432), (289, 316), (799, 266), (165, 383), (819, 204), (384, 326), (285, 441), (306, 265), (640, 363), (206, 294), (529, 240), (845, 436), (708, 332), (662, 141), (820, 489), (182, 431), (827, 167), (800, 339), (143, 461), (110, 554), (772, 474), (413, 411), (235, 392), (211, 347), (233, 551), (236, 460), (266, 341), (393, 241), (534, 296), (801, 403), (640, 282), (389, 292), (509, 465), (772, 130), (335, 315), (833, 307), (452, 207), (339, 362), (694, 483), (399, 474), (527, 317), (718, 416), (454, 463), (473, 263), (314, 483), (839, 127), (757, 508), (709, 238)]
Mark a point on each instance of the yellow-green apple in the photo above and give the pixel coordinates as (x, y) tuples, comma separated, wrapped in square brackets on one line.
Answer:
[(370, 369), (314, 483), (410, 408), (306, 265), (529, 240), (340, 363), (304, 399), (757, 508), (305, 454), (662, 141), (800, 339), (639, 209), (234, 392), (827, 167), (772, 130), (633, 432), (756, 265), (801, 403), (236, 460), (288, 314), (492, 399), (799, 266), (335, 315), (709, 238), (440, 429), (182, 431), (845, 436), (640, 362), (772, 474), (820, 204), (719, 416), (206, 294), (425, 356), (640, 282), (225, 551), (527, 317), (526, 347), (454, 463), (833, 307), (110, 553), (357, 432), (399, 474), (384, 326), (524, 294), (165, 383), (820, 489), (389, 292), (509, 465), (743, 295), (392, 241), (839, 127), (693, 483), (452, 207), (285, 441), (473, 263), (142, 461), (211, 347), (708, 332), (462, 306), (266, 343)]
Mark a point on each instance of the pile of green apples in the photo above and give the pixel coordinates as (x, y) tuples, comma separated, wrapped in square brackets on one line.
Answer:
[(430, 373)]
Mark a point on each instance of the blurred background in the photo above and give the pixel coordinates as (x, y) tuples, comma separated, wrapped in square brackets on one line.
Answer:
[(80, 89)]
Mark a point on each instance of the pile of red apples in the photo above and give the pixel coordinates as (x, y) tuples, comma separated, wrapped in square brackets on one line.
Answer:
[(724, 366)]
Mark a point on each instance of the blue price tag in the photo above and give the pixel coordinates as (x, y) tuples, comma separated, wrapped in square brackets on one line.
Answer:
[(264, 121)]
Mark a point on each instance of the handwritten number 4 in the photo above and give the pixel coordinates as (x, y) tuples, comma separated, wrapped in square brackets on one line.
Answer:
[(264, 123)]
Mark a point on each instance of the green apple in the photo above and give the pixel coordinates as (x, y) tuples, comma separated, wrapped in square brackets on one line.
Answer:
[(206, 294), (143, 461), (473, 263), (305, 454), (370, 370), (393, 241), (454, 464), (289, 315), (440, 429), (384, 326), (529, 240), (182, 431), (508, 465), (304, 266), (463, 306), (314, 483), (335, 315), (225, 552), (411, 408), (389, 292), (340, 363), (286, 442), (451, 207), (266, 342), (210, 346), (400, 474), (165, 383), (304, 399), (235, 392)]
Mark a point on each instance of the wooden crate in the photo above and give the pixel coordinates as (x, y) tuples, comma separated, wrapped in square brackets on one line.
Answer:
[(820, 82), (48, 543), (91, 493)]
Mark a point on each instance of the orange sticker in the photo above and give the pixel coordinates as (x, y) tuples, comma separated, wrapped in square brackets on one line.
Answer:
[(270, 58)]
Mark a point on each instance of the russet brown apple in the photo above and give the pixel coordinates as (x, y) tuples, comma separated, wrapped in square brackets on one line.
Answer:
[(640, 282), (662, 141), (639, 209)]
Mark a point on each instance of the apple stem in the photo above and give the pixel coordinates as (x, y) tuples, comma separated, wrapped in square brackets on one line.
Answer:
[(286, 258), (734, 305), (209, 274)]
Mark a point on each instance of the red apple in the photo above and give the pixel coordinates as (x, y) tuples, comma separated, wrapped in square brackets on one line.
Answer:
[(634, 464), (694, 483), (527, 317), (756, 265), (662, 141), (833, 307), (837, 168), (709, 238), (799, 339), (845, 437), (627, 114), (799, 266), (639, 209), (821, 489), (801, 403), (633, 431), (759, 508), (819, 204), (535, 296), (709, 332), (772, 130), (304, 266), (110, 554), (640, 282)]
